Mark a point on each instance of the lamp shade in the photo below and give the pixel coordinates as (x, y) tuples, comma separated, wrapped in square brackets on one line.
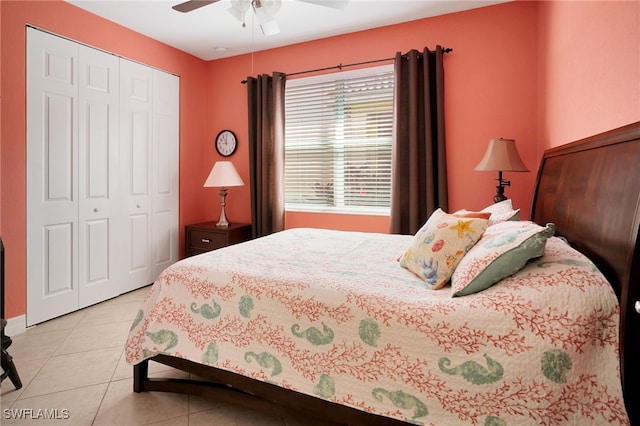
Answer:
[(223, 174), (501, 155)]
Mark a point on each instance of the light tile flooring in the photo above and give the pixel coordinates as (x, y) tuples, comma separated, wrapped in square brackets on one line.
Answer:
[(73, 367)]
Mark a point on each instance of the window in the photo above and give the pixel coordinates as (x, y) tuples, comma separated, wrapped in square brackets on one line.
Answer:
[(338, 142)]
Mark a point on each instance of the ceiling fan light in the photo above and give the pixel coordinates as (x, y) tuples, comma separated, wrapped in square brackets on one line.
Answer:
[(265, 10), (270, 27), (238, 14), (262, 16), (239, 9)]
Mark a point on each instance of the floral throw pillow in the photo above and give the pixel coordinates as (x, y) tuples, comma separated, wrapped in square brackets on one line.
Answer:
[(442, 241), (503, 250)]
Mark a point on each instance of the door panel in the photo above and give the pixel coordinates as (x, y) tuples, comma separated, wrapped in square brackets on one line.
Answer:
[(139, 153), (100, 207), (52, 178), (98, 257), (139, 246), (58, 277), (135, 137), (163, 237), (59, 147), (97, 116), (166, 100)]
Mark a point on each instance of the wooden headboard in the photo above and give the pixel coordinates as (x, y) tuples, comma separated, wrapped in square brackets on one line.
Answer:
[(590, 189)]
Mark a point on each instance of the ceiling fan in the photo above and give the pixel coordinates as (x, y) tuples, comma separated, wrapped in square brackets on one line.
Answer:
[(265, 10)]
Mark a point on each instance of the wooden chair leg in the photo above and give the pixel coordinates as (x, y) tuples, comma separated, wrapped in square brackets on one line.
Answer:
[(10, 369)]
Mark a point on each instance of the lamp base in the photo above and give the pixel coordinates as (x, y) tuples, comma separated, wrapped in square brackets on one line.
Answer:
[(499, 195), (500, 188), (222, 221), (222, 224)]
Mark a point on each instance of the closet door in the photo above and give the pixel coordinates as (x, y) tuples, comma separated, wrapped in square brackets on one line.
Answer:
[(52, 176), (135, 141), (100, 208), (102, 175), (164, 179)]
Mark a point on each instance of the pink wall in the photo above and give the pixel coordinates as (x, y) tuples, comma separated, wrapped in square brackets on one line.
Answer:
[(589, 68), (490, 91), (62, 18), (543, 73)]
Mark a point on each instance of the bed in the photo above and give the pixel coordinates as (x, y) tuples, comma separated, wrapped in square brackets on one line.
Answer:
[(329, 327)]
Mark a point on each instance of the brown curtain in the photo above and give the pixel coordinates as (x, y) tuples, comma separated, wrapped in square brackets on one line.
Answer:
[(266, 152), (419, 167)]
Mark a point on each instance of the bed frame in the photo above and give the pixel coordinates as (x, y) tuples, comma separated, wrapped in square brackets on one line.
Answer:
[(590, 189)]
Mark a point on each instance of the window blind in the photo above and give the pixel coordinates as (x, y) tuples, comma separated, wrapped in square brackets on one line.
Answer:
[(338, 141)]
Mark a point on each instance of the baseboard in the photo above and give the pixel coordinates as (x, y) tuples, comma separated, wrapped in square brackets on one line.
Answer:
[(16, 325)]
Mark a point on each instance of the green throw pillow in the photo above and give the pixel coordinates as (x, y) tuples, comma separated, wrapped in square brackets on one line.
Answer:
[(503, 250)]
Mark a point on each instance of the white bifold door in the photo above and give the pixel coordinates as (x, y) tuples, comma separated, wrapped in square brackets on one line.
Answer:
[(102, 175), (149, 131)]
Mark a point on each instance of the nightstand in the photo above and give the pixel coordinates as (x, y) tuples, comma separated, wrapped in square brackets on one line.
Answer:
[(206, 236)]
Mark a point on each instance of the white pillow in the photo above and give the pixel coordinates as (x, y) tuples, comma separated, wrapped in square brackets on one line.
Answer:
[(501, 212)]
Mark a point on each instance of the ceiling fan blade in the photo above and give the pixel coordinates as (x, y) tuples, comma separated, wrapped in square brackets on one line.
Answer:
[(334, 4), (190, 5)]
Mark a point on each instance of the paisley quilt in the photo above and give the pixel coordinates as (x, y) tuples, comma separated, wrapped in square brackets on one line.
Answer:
[(332, 314)]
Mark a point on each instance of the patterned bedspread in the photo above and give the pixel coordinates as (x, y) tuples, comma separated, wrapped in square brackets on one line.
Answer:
[(332, 314)]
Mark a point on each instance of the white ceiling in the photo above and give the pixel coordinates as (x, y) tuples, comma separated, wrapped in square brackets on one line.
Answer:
[(211, 32)]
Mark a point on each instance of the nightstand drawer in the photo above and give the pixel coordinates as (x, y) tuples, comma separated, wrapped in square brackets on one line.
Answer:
[(204, 237), (205, 240)]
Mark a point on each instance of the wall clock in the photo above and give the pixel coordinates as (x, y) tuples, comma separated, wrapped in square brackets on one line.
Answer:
[(226, 143)]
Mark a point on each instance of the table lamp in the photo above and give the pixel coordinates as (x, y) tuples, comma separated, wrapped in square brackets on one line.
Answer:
[(501, 156), (223, 174)]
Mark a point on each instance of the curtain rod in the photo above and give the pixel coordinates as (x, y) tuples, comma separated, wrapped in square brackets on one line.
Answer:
[(340, 66)]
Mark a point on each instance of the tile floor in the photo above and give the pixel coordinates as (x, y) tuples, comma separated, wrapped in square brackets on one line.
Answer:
[(74, 368)]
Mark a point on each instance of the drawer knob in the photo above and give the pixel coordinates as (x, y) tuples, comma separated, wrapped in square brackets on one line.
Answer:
[(638, 306), (207, 241)]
